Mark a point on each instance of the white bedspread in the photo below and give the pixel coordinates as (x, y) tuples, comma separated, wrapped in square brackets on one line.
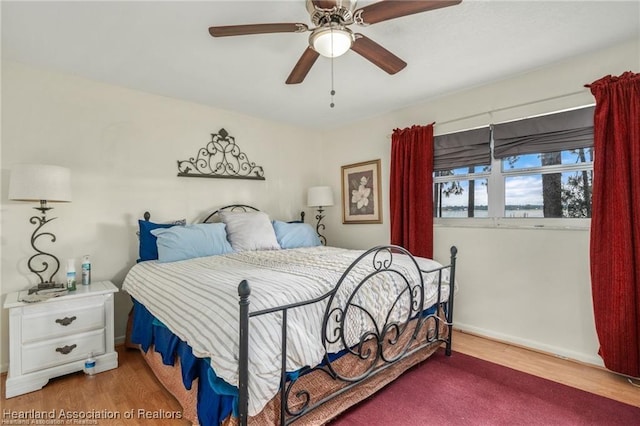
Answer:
[(197, 300)]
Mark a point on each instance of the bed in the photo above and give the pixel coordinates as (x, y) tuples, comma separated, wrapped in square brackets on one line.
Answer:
[(283, 329)]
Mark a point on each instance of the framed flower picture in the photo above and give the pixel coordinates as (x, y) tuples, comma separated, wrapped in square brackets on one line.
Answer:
[(361, 193)]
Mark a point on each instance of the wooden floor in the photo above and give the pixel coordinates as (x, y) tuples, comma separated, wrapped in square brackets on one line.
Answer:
[(571, 373), (131, 386), (132, 390)]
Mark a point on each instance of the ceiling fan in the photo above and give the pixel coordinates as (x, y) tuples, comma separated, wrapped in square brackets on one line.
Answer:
[(331, 36)]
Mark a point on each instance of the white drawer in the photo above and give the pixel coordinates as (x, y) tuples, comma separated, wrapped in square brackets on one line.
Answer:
[(49, 353), (61, 319)]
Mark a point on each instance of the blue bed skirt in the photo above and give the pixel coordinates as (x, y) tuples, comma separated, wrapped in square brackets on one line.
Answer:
[(216, 398)]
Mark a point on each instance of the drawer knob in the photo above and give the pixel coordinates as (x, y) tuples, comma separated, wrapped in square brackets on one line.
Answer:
[(66, 349), (66, 320)]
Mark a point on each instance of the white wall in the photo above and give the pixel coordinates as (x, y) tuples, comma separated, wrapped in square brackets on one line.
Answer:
[(122, 147), (527, 286)]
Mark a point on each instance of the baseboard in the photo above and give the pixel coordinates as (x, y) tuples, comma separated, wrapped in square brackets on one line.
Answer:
[(4, 368), (594, 360), (119, 340)]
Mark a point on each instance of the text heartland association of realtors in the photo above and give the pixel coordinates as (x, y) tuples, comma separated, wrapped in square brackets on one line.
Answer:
[(63, 414)]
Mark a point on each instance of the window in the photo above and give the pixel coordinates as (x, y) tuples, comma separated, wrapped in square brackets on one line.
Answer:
[(461, 192), (554, 184), (540, 167), (462, 164)]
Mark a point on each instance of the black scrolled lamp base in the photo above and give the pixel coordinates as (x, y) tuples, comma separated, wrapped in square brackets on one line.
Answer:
[(320, 226), (42, 270)]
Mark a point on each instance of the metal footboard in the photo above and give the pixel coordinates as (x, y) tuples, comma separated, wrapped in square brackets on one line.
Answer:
[(355, 326)]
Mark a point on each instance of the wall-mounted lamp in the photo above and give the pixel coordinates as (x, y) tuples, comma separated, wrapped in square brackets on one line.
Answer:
[(320, 196), (36, 182)]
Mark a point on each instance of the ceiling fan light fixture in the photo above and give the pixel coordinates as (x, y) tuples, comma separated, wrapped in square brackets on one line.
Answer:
[(332, 41)]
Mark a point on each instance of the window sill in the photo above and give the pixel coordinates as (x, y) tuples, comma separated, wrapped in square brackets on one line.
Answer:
[(515, 223)]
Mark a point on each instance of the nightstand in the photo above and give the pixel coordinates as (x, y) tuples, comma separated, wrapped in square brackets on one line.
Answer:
[(53, 337)]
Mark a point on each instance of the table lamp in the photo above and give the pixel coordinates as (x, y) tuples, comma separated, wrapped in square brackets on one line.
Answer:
[(320, 196), (46, 184)]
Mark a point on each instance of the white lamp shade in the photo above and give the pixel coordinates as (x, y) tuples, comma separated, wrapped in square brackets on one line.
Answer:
[(35, 182), (320, 196), (331, 42)]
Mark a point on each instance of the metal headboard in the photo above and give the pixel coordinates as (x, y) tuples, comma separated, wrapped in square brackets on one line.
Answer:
[(229, 208)]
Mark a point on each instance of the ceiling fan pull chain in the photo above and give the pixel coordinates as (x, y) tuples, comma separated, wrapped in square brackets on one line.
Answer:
[(333, 92)]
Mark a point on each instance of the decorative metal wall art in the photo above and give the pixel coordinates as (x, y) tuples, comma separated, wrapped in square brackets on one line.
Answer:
[(220, 158)]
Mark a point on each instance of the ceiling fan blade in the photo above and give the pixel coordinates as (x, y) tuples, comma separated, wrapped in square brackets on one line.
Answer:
[(235, 30), (303, 66), (378, 55), (391, 9)]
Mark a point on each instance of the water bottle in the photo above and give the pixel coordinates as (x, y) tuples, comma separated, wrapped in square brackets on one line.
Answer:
[(86, 270), (90, 365), (71, 274)]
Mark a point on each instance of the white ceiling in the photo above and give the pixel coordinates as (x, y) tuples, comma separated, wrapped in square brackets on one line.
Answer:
[(164, 48)]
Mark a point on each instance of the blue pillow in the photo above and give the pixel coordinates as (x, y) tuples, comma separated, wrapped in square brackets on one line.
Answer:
[(187, 242), (148, 249), (294, 235)]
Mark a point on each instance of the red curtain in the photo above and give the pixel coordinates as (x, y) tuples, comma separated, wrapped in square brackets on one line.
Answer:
[(411, 189), (615, 222)]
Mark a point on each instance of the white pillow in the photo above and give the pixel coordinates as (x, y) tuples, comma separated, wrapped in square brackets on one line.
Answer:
[(250, 231)]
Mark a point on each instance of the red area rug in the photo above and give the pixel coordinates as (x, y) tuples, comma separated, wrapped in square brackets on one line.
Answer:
[(463, 390)]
